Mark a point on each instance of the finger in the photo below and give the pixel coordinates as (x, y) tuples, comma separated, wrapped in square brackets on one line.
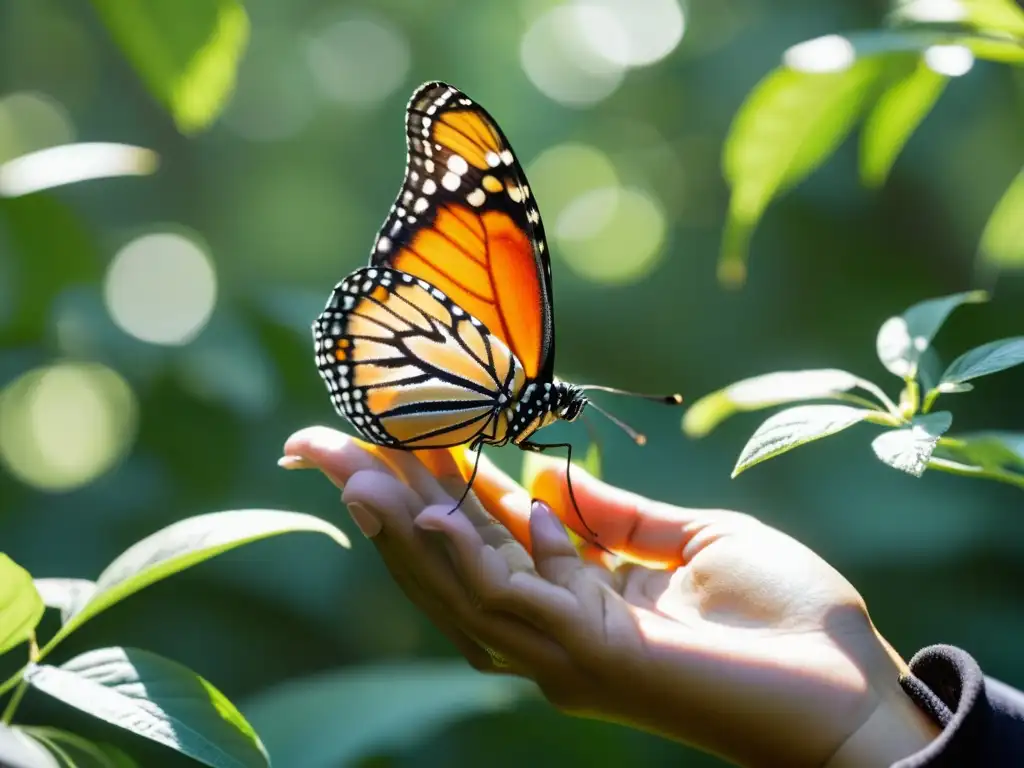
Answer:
[(439, 616), (504, 499), (651, 532), (496, 582), (334, 453), (405, 548)]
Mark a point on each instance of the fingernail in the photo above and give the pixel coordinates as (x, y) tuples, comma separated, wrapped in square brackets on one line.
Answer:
[(368, 523), (546, 520), (429, 523), (294, 462)]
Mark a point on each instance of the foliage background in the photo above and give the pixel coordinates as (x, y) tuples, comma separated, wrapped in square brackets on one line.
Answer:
[(285, 193)]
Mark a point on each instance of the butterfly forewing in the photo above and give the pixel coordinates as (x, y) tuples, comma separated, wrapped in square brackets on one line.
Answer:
[(408, 367), (466, 222)]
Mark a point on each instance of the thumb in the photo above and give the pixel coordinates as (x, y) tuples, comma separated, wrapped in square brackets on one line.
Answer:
[(651, 532)]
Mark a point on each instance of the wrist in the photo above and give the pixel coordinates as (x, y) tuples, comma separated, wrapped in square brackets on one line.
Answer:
[(894, 729)]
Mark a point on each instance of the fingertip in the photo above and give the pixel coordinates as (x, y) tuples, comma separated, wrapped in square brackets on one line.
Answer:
[(546, 530)]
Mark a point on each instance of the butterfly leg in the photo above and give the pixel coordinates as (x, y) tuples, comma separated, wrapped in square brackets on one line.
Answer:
[(479, 446), (540, 448)]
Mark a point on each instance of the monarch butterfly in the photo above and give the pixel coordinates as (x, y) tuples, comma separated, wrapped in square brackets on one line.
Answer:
[(447, 337)]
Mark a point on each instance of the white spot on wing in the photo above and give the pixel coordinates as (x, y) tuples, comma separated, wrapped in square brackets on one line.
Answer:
[(476, 197), (506, 157), (457, 164), (492, 159), (421, 205), (429, 187), (450, 181), (383, 244)]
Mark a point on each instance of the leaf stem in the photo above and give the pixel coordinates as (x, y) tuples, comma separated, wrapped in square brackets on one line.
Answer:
[(929, 400), (882, 397), (19, 692), (968, 470), (53, 735)]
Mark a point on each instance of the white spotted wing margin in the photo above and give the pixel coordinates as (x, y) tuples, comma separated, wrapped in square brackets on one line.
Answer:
[(408, 368), (438, 177)]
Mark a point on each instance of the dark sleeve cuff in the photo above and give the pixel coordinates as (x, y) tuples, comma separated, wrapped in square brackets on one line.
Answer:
[(982, 720)]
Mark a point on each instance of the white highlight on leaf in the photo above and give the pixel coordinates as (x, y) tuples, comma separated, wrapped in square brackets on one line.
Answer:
[(909, 449), (70, 163), (831, 53), (949, 60)]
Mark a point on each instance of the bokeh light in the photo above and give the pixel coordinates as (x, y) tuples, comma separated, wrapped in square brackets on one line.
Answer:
[(358, 61), (564, 172), (161, 288), (612, 235), (30, 121), (651, 30), (559, 56), (276, 96), (64, 425)]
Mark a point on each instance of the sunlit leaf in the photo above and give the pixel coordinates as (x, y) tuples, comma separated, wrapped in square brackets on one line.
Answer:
[(19, 750), (66, 595), (910, 448), (158, 699), (1000, 450), (903, 339), (21, 607), (183, 545), (895, 116), (794, 427), (789, 125), (336, 718), (762, 392), (71, 163), (186, 53), (982, 15), (1002, 242), (984, 360)]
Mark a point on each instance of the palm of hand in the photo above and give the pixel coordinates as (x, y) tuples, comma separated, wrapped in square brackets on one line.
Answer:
[(732, 633)]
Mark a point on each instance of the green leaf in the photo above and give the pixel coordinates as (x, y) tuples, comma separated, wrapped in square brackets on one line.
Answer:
[(79, 751), (187, 53), (21, 607), (984, 360), (763, 392), (183, 545), (19, 750), (381, 709), (66, 595), (591, 461), (895, 116), (788, 126), (1002, 242), (982, 15), (794, 427), (903, 339), (990, 450), (71, 163), (157, 699), (909, 449)]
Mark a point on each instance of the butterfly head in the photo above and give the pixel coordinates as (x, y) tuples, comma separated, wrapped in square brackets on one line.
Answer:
[(570, 401)]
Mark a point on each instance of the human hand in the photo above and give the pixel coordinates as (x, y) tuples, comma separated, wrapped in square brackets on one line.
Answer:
[(730, 635)]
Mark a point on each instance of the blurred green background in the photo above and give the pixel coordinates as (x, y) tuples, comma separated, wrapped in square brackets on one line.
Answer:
[(155, 349)]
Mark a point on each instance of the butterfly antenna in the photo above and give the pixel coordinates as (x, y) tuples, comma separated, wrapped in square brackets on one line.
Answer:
[(674, 399), (636, 437)]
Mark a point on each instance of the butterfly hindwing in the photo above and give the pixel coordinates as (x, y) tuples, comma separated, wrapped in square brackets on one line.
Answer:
[(466, 222), (408, 367)]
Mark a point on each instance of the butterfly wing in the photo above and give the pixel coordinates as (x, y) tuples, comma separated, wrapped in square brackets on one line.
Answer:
[(408, 367), (465, 221)]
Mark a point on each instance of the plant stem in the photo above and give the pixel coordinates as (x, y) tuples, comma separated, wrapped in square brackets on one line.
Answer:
[(83, 745), (929, 400), (883, 398), (969, 470), (12, 705)]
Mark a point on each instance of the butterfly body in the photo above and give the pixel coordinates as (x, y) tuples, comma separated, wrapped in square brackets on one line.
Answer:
[(378, 319), (447, 337)]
